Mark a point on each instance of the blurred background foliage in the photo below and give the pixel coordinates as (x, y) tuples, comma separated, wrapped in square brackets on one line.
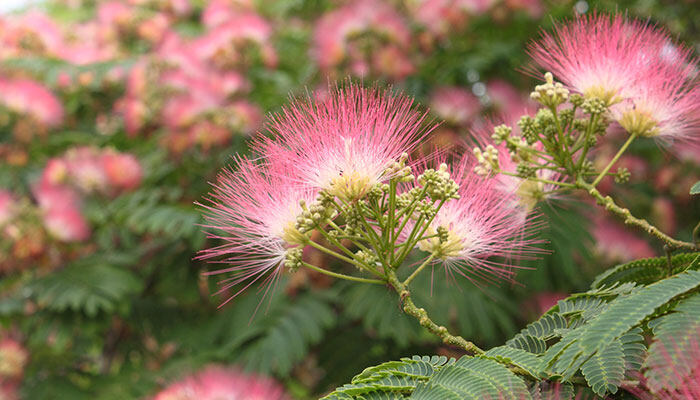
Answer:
[(115, 115)]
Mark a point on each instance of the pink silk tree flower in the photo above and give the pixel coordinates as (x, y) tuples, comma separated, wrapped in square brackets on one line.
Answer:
[(598, 55), (123, 171), (29, 97), (482, 223), (344, 143), (13, 359), (663, 104), (66, 223), (217, 383), (253, 209)]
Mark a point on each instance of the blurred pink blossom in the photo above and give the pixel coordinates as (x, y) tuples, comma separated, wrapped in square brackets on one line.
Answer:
[(340, 36), (123, 171), (217, 383), (13, 359), (227, 39), (29, 97), (507, 100), (66, 223), (217, 12)]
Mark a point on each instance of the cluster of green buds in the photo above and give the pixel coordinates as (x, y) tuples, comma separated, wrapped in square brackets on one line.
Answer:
[(487, 160), (376, 230), (438, 183), (556, 138), (550, 94)]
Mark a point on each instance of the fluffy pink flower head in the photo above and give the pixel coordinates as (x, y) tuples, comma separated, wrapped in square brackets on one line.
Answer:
[(507, 100), (85, 169), (60, 206), (344, 143), (480, 224), (216, 383), (253, 209), (217, 12), (29, 97), (441, 17), (663, 104), (226, 39), (598, 55)]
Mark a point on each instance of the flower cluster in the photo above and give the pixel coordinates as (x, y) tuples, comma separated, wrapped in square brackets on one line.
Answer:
[(339, 167), (28, 230), (368, 37), (195, 87), (632, 67)]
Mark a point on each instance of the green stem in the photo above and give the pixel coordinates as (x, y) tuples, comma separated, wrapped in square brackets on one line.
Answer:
[(562, 141), (629, 219), (342, 276), (586, 145), (614, 160), (345, 250), (412, 238), (424, 320), (561, 184), (419, 269), (337, 255)]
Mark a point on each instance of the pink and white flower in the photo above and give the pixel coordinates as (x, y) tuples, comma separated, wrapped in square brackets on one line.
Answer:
[(345, 143), (123, 171), (662, 104), (253, 209), (13, 359), (598, 55), (482, 223)]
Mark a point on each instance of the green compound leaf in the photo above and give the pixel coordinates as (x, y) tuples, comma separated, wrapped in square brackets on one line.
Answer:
[(90, 285), (533, 337), (516, 356), (595, 339), (647, 270), (677, 337), (605, 369), (473, 378), (391, 380)]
